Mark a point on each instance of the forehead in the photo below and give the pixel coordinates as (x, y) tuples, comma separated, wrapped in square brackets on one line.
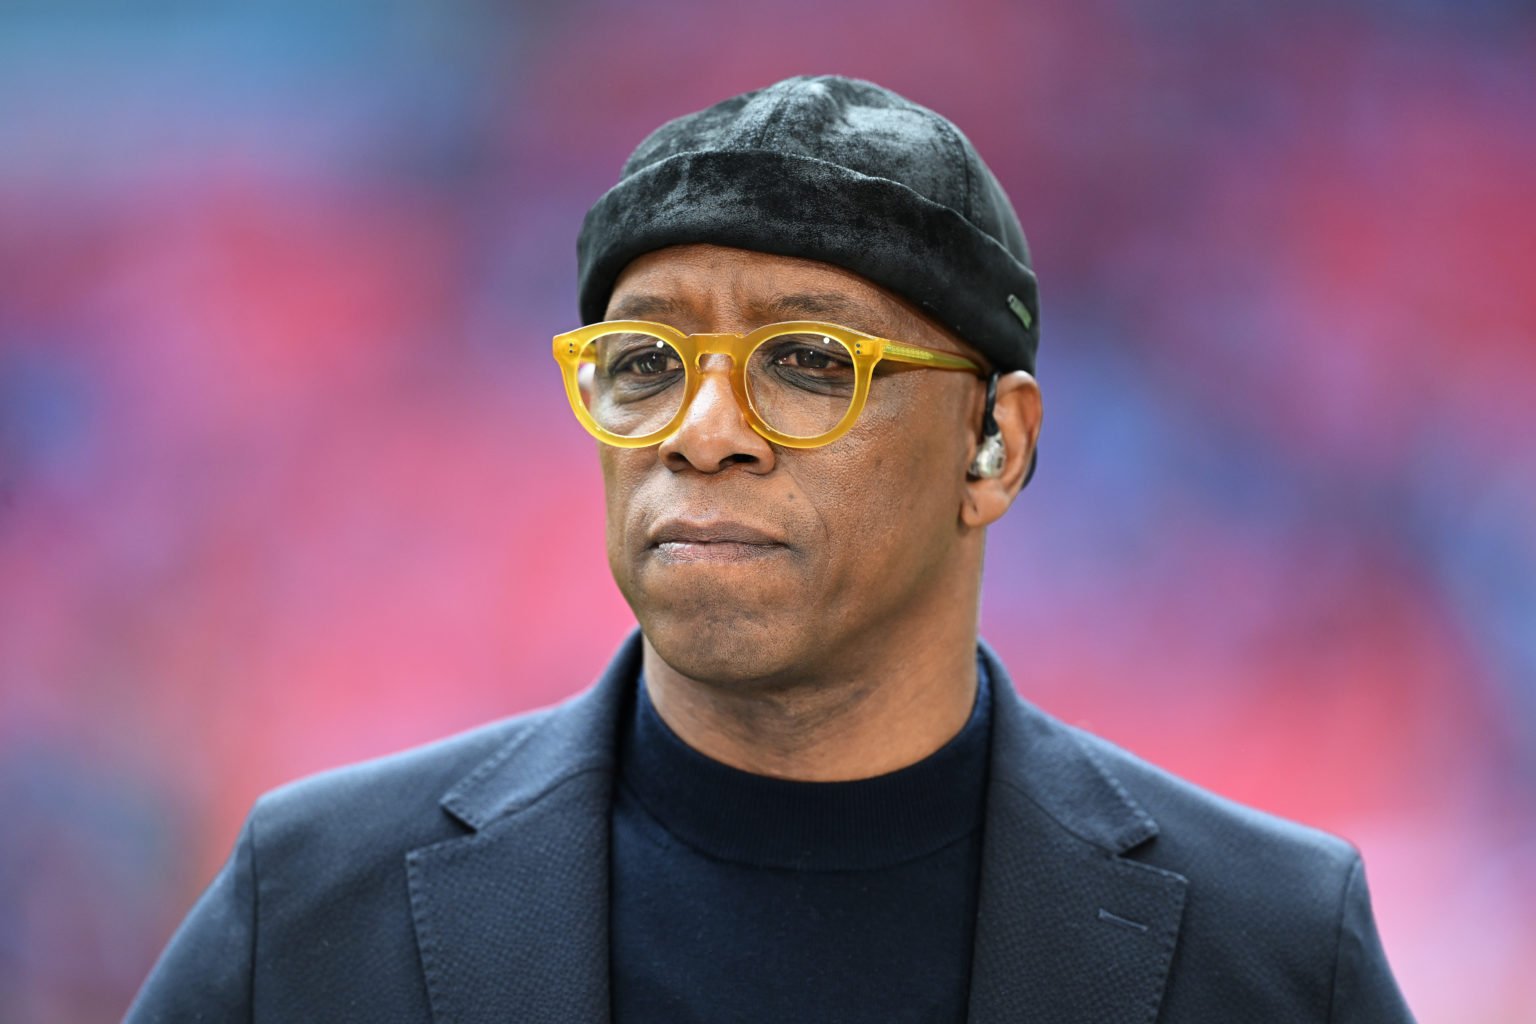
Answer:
[(691, 286)]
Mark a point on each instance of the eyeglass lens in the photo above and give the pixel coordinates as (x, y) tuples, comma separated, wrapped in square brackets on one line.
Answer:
[(632, 383)]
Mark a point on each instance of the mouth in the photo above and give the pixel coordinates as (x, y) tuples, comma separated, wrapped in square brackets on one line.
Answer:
[(718, 540)]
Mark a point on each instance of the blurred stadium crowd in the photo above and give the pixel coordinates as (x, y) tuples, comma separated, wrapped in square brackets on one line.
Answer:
[(287, 479)]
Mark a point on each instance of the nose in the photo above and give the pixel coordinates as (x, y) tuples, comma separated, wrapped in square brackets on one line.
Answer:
[(715, 433)]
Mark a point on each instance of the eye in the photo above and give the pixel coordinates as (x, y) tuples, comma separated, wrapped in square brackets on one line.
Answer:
[(804, 359), (649, 361), (805, 353)]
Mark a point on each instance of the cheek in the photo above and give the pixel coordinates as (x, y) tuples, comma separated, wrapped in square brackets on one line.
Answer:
[(915, 441), (891, 490), (622, 472)]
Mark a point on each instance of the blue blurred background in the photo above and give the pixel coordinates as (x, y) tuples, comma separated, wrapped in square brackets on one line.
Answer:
[(287, 478)]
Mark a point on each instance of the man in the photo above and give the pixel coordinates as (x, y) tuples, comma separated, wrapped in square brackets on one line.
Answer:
[(803, 790)]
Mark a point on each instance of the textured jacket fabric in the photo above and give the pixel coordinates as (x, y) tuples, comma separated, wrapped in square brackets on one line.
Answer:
[(467, 881)]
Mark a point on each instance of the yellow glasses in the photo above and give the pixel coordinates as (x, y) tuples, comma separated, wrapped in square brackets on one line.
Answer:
[(801, 384)]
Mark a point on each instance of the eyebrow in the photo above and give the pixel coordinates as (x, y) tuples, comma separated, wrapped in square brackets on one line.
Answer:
[(819, 304), (648, 307), (844, 309)]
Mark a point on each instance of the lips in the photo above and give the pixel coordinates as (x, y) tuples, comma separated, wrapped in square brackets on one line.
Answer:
[(719, 531), (713, 539)]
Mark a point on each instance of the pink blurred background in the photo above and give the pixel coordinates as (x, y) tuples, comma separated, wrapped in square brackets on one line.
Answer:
[(287, 478)]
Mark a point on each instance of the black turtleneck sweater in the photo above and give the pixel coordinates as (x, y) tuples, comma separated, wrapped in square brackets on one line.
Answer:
[(739, 897)]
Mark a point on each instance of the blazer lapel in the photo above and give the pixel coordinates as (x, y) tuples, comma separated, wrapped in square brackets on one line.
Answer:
[(512, 919), (1068, 930)]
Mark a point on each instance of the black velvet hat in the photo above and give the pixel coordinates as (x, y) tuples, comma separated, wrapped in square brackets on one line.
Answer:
[(838, 170)]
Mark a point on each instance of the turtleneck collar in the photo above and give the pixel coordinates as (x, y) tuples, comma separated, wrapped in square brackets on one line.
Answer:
[(761, 821)]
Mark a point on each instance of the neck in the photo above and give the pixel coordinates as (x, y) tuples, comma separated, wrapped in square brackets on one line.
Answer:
[(856, 718)]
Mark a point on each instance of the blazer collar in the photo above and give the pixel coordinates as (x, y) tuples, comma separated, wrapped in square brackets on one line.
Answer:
[(512, 918), (576, 737), (1067, 929)]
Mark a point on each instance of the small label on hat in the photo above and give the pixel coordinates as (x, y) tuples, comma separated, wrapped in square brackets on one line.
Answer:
[(1021, 311)]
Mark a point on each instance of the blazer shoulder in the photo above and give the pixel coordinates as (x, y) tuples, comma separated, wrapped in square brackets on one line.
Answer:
[(1201, 833), (386, 803), (1277, 917), (1181, 806)]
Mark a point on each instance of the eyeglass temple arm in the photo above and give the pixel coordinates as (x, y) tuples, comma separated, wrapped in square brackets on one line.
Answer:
[(927, 357)]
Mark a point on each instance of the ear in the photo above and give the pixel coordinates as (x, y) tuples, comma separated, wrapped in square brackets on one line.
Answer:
[(1017, 411)]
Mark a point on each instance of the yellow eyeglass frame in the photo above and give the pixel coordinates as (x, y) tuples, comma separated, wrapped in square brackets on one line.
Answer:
[(866, 350)]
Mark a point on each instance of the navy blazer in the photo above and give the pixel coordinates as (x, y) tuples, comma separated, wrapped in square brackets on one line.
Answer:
[(467, 881)]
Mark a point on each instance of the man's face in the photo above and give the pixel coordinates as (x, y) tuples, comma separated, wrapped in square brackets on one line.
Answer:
[(748, 563)]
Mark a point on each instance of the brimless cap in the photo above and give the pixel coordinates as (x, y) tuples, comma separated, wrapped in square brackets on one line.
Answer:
[(832, 169)]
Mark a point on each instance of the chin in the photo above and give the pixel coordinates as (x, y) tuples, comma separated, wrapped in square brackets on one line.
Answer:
[(737, 649), (750, 626)]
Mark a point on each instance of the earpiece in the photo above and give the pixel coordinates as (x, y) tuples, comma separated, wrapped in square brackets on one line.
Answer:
[(990, 458), (992, 454)]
